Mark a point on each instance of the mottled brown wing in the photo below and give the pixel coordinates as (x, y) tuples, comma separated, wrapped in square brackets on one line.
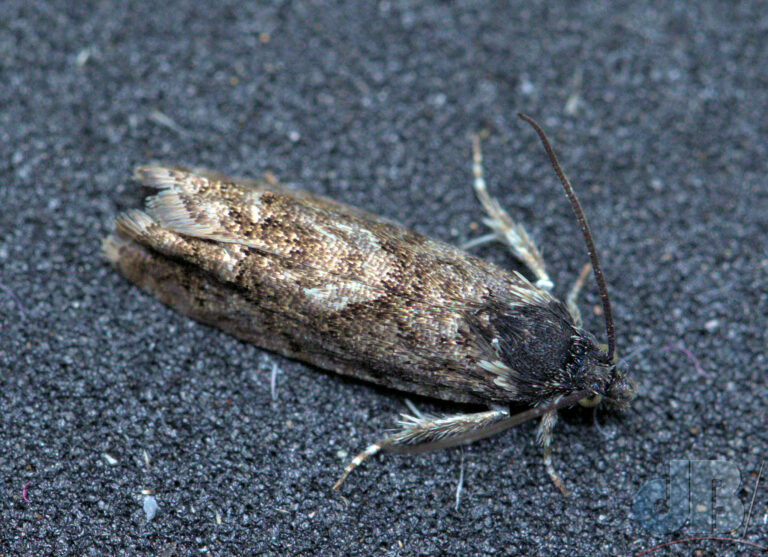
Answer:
[(317, 280)]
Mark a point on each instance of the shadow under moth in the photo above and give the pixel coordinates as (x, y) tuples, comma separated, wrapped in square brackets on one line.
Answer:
[(347, 291)]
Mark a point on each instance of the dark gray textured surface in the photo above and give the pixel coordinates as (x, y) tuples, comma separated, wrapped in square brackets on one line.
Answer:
[(374, 106)]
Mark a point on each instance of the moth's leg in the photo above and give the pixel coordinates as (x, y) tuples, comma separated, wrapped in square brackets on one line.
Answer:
[(573, 295), (544, 439), (504, 228), (424, 432)]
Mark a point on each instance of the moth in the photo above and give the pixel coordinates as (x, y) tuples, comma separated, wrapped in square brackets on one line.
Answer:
[(347, 291)]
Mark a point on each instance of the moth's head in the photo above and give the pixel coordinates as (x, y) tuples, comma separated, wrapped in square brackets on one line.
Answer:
[(622, 388), (590, 368), (608, 380)]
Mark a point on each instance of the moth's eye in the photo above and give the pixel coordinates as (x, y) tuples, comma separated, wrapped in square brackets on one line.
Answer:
[(578, 349), (591, 400)]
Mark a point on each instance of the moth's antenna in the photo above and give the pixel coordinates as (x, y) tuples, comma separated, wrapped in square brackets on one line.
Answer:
[(599, 278)]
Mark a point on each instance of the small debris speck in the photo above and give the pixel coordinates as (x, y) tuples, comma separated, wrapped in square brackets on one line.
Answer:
[(526, 87), (150, 507)]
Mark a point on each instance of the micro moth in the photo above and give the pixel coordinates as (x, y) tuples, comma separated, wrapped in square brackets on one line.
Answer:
[(347, 291)]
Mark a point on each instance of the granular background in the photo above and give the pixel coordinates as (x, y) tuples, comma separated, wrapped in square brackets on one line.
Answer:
[(658, 112)]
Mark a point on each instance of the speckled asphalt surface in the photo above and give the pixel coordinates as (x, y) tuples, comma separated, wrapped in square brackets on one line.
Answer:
[(658, 112)]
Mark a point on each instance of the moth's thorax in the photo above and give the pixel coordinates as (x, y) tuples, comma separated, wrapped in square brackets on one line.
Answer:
[(538, 353), (531, 346)]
